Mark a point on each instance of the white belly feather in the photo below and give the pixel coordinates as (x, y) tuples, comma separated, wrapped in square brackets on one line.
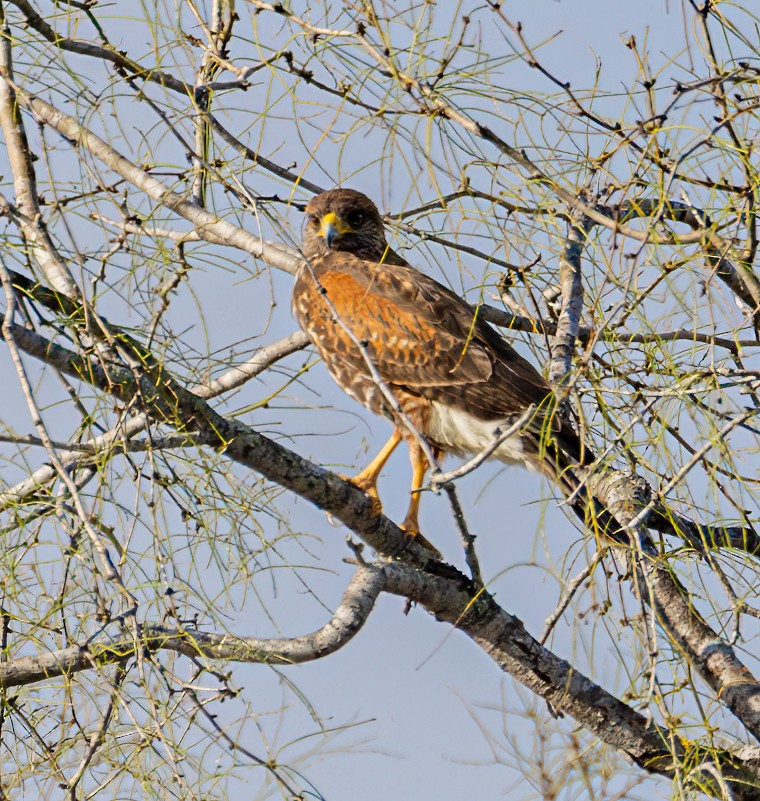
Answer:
[(461, 433)]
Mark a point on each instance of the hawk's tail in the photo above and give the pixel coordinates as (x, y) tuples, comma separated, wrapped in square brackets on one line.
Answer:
[(567, 462)]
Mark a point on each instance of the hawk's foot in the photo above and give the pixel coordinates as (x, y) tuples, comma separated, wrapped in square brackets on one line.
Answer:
[(369, 487), (413, 535)]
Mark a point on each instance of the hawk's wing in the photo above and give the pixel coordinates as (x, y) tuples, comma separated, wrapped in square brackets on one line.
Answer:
[(421, 336)]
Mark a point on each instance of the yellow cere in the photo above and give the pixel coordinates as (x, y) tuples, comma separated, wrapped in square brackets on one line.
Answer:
[(331, 220)]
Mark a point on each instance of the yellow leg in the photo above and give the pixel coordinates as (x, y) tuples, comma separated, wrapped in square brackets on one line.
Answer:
[(366, 481), (419, 467), (411, 524)]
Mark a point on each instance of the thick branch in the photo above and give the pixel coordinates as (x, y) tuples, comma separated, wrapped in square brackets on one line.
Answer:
[(24, 179), (114, 441), (627, 497), (569, 320)]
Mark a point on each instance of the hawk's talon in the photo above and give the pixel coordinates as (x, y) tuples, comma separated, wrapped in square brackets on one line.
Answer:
[(412, 534), (369, 488)]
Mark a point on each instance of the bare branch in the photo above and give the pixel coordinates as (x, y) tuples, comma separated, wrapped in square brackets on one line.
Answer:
[(209, 226), (568, 322), (628, 499), (119, 439), (350, 615), (24, 179), (110, 54), (504, 638)]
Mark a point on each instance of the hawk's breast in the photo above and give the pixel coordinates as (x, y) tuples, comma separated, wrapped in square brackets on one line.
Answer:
[(456, 431), (327, 313)]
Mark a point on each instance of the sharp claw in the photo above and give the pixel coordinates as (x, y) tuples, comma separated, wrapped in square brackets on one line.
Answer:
[(413, 535), (369, 488), (409, 527)]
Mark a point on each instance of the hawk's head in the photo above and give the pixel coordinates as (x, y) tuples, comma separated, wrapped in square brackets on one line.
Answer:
[(345, 220)]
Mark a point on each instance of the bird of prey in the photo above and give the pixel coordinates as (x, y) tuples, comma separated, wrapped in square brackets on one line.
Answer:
[(454, 378)]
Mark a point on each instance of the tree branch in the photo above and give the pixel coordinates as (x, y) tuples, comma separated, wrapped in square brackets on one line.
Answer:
[(209, 226), (115, 441), (24, 180), (453, 599), (350, 615), (655, 583), (110, 54), (504, 638), (568, 322)]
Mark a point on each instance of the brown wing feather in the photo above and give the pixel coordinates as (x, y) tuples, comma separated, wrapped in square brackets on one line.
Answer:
[(411, 345), (422, 337)]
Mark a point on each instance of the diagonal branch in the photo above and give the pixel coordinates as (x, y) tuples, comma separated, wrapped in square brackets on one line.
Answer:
[(24, 178), (657, 586), (110, 54), (504, 638), (114, 441), (209, 226), (702, 536)]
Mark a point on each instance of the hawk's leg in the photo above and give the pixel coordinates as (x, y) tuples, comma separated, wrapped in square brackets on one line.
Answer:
[(411, 524), (366, 481)]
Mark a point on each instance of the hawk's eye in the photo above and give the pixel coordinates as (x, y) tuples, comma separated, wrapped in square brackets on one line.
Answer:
[(312, 219), (355, 218)]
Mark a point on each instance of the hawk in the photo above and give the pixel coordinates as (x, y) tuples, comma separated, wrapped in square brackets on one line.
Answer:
[(456, 380)]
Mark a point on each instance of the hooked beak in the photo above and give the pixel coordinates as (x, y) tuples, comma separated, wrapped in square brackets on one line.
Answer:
[(331, 229), (330, 233)]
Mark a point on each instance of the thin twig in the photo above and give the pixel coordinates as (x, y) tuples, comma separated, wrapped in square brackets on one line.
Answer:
[(568, 591), (440, 479)]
